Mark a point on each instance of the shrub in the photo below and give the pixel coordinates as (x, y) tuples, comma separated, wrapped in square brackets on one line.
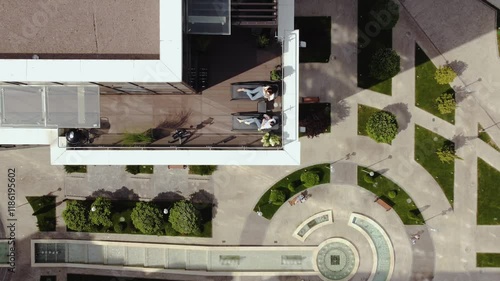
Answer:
[(392, 194), (119, 227), (147, 218), (316, 123), (446, 153), (134, 138), (100, 212), (169, 230), (185, 218), (277, 197), (263, 41), (76, 216), (270, 139), (276, 74), (446, 103), (75, 169), (384, 64), (445, 75), (368, 178), (385, 12), (382, 126), (202, 169), (291, 187), (309, 178), (133, 169)]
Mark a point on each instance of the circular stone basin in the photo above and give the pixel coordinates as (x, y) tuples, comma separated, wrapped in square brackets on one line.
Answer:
[(337, 259)]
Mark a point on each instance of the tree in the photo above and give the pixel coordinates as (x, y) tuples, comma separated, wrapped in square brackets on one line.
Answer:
[(185, 218), (446, 153), (202, 169), (386, 13), (277, 197), (147, 218), (100, 212), (446, 103), (384, 64), (309, 178), (316, 122), (382, 127), (76, 215), (445, 75), (270, 139)]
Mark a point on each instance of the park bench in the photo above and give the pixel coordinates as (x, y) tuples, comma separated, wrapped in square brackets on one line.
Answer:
[(384, 204), (310, 100)]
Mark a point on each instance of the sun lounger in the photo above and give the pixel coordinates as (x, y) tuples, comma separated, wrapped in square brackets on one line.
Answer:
[(235, 95), (237, 126)]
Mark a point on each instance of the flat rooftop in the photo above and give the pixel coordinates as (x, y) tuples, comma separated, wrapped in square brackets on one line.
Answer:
[(55, 29)]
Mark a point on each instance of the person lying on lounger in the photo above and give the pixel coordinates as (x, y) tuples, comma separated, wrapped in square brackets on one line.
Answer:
[(267, 92), (267, 122)]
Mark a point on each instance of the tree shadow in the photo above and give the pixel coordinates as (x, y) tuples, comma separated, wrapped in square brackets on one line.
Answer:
[(340, 111), (169, 196), (457, 141), (458, 66), (403, 116), (461, 93), (123, 193), (204, 197), (177, 121)]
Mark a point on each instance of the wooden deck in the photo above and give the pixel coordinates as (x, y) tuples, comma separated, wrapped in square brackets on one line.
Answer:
[(229, 59)]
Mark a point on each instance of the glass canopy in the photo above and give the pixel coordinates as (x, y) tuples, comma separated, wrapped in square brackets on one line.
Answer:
[(209, 17), (50, 106)]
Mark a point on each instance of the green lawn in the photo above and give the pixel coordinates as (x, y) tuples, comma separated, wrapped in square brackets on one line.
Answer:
[(316, 32), (484, 136), (381, 186), (426, 145), (427, 90), (367, 46), (44, 208), (488, 208), (268, 209), (487, 260), (364, 113)]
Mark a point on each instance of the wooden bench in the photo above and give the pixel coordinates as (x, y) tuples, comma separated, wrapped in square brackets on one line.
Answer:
[(177, 166), (384, 204), (310, 100)]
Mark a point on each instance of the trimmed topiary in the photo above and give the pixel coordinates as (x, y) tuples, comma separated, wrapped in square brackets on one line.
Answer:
[(147, 218), (382, 127), (392, 194), (291, 187), (202, 170), (309, 178), (185, 218), (384, 64), (368, 178)]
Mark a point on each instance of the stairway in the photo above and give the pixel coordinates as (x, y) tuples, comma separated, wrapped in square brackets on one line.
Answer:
[(254, 13)]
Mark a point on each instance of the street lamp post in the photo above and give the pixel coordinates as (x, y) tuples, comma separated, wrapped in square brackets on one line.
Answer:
[(371, 173)]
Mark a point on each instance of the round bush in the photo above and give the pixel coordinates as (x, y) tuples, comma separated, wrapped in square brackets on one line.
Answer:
[(291, 187), (147, 218), (368, 178), (309, 178), (446, 103), (120, 227), (445, 75), (382, 127), (384, 64), (392, 194), (277, 197), (185, 218)]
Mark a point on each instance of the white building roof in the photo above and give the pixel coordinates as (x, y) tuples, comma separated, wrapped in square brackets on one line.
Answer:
[(167, 69)]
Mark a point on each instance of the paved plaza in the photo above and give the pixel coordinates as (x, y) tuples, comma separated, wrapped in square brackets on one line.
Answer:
[(449, 241)]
